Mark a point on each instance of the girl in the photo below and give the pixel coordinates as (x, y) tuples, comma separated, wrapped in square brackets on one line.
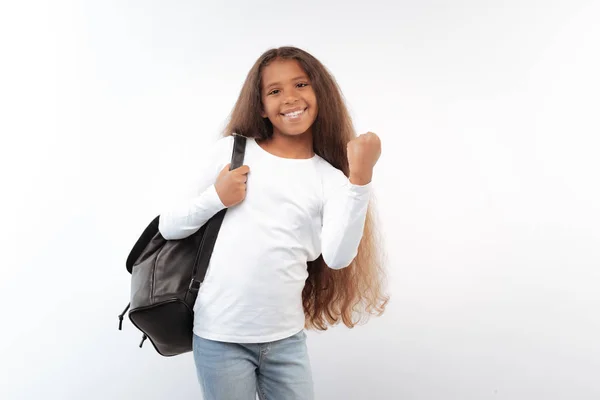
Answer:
[(296, 248)]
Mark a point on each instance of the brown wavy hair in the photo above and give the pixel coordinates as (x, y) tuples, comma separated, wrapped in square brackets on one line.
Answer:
[(352, 293)]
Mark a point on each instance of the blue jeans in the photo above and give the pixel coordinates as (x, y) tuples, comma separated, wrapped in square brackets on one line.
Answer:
[(278, 370)]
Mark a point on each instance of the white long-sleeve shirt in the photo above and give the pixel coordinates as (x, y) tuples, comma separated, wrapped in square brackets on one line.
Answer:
[(294, 210)]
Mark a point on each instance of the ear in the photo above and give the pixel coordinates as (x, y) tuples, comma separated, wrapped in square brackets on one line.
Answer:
[(263, 113)]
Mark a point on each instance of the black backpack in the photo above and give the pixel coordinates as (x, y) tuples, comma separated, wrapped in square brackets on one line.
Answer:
[(166, 276)]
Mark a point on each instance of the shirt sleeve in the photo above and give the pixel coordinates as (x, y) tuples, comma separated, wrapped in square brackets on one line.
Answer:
[(344, 216), (198, 201)]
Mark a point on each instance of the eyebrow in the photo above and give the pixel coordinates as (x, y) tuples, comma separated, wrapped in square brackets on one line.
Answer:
[(301, 77)]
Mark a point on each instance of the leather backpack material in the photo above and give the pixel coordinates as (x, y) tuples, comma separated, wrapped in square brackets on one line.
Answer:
[(166, 276)]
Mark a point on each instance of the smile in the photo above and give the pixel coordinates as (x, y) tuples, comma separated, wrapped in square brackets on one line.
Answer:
[(294, 114)]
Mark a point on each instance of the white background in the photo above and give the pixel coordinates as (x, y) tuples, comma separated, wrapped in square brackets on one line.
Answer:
[(487, 187)]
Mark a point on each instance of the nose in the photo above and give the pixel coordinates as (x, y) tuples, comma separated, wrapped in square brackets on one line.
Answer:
[(290, 99)]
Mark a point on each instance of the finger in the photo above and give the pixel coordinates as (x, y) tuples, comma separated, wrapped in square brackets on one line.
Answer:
[(244, 169)]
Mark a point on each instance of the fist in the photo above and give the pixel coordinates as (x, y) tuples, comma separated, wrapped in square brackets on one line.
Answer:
[(231, 185), (363, 153)]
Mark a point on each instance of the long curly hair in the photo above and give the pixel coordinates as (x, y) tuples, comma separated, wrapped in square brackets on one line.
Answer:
[(354, 293)]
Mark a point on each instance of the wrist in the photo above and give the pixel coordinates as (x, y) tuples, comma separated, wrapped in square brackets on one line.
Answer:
[(360, 179)]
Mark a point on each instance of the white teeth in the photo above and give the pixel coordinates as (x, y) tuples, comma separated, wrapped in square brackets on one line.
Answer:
[(294, 114)]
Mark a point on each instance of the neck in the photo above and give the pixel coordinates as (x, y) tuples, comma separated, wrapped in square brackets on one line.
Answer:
[(290, 146)]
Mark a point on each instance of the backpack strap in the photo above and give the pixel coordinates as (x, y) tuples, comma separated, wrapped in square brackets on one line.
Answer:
[(214, 224)]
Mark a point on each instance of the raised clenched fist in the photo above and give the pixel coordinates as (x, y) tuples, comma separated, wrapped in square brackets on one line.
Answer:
[(363, 153)]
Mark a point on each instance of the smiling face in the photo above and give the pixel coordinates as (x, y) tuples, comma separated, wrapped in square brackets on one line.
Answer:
[(288, 98)]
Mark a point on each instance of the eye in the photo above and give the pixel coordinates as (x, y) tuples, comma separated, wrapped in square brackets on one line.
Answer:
[(304, 84), (273, 91)]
